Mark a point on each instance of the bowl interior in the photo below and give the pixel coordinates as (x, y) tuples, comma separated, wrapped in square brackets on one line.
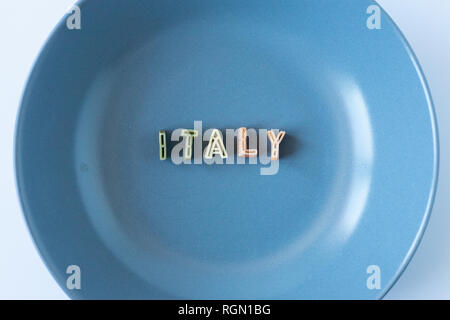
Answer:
[(352, 188)]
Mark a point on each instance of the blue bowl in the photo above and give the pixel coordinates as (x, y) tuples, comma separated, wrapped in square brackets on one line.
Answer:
[(341, 217)]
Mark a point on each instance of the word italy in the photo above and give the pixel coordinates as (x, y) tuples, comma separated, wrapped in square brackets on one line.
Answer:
[(216, 146)]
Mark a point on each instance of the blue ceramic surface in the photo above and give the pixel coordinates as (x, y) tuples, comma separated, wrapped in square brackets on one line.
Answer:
[(357, 171)]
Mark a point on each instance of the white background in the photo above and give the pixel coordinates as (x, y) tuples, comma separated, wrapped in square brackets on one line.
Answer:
[(24, 27)]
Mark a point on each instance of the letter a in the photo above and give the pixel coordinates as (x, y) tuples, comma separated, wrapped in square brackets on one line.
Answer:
[(374, 280), (275, 142), (374, 20), (242, 145), (74, 280), (215, 146), (74, 20)]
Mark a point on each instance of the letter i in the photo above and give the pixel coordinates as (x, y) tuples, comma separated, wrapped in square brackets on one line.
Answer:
[(162, 145)]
